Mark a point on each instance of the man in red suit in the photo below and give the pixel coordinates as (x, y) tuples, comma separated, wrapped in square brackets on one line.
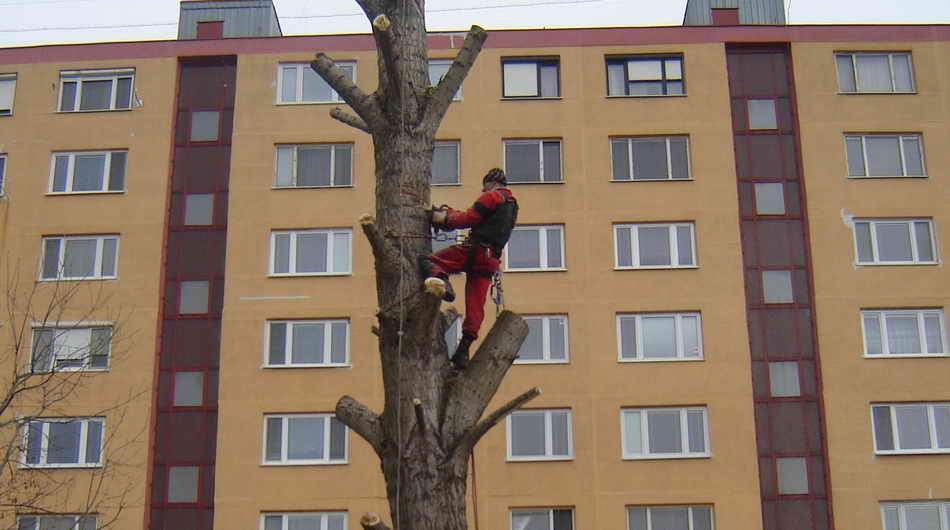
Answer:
[(491, 220)]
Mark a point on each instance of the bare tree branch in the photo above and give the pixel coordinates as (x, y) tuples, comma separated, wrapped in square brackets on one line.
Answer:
[(449, 84), (362, 420), (475, 434), (353, 121), (363, 104)]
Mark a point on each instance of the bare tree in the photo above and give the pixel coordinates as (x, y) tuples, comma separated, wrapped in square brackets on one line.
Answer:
[(40, 381), (432, 417)]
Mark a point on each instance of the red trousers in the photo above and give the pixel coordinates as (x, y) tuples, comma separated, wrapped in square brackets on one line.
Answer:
[(479, 269)]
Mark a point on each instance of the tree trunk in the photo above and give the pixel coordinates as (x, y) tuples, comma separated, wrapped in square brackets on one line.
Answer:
[(432, 414)]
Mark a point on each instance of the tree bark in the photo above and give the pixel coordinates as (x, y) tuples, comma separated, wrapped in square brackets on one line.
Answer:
[(430, 420)]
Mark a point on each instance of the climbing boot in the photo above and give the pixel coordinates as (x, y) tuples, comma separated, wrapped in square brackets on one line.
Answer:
[(460, 358), (432, 281)]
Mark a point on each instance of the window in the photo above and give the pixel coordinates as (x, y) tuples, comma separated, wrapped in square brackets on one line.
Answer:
[(193, 297), (769, 198), (540, 435), (204, 125), (894, 241), (898, 332), (311, 166), (310, 252), (56, 522), (645, 76), (535, 248), (453, 335), (533, 161), (761, 114), (884, 155), (87, 172), (3, 174), (211, 29), (82, 90), (792, 475), (182, 484), (304, 439), (650, 158), (79, 257), (543, 519), (933, 515), (777, 287), (298, 83), (665, 433), (659, 337), (654, 245), (437, 70), (546, 341), (531, 78), (199, 209), (783, 379), (66, 442), (7, 91), (305, 521), (445, 162), (57, 349), (308, 343), (874, 72), (189, 389), (911, 428), (669, 518)]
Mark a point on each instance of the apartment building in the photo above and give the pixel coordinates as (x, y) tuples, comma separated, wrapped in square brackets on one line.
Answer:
[(729, 254)]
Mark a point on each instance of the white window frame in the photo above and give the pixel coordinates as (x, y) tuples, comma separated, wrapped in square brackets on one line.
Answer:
[(920, 314), (899, 509), (542, 249), (895, 435), (458, 160), (635, 245), (298, 90), (664, 78), (285, 518), (83, 76), (532, 511), (7, 110), (915, 251), (629, 141), (61, 332), (83, 442), (292, 258), (645, 434), (890, 65), (901, 138), (537, 62), (689, 507), (3, 174), (680, 338), (97, 266), (285, 439), (548, 435), (294, 176), (289, 342), (71, 171), (80, 522), (435, 82), (546, 341), (540, 143)]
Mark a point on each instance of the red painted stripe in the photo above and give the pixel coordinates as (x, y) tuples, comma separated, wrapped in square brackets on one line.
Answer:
[(527, 38)]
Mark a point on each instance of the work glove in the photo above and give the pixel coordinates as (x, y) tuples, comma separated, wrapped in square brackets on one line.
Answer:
[(438, 216)]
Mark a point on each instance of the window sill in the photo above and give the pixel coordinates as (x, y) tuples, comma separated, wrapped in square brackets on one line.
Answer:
[(898, 264), (303, 463), (663, 360), (517, 459), (446, 184), (911, 452), (309, 187), (296, 366), (68, 193), (668, 457), (690, 179), (83, 279), (646, 96), (887, 93), (907, 356), (297, 103), (536, 270), (91, 110), (70, 370), (308, 274), (531, 98), (543, 362), (867, 177), (22, 465), (657, 268)]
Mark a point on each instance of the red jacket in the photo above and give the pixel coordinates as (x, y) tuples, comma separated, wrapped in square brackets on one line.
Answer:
[(485, 204)]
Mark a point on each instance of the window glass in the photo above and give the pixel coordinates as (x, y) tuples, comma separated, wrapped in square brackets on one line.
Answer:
[(777, 287), (645, 76), (95, 90), (521, 79), (189, 389), (304, 439), (659, 433), (912, 428), (792, 476), (654, 245), (650, 158), (182, 484), (298, 83), (199, 209), (540, 435), (882, 155), (762, 114), (7, 91), (445, 162), (535, 248), (194, 297), (783, 379), (311, 252), (769, 198), (204, 125)]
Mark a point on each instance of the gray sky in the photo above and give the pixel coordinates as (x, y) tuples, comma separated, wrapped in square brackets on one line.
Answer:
[(33, 22)]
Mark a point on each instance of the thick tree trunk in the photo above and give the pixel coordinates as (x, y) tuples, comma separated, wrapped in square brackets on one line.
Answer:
[(432, 414)]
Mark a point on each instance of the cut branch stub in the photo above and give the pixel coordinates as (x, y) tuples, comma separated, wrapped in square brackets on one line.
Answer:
[(452, 80), (364, 106), (371, 521), (362, 420)]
